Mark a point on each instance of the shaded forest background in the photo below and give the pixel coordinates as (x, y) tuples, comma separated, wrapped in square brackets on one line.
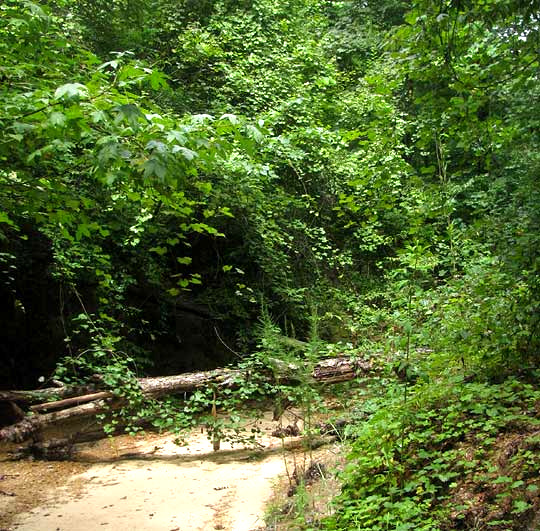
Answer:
[(168, 169)]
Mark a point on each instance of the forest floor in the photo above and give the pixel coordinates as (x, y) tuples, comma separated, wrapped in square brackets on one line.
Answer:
[(147, 482)]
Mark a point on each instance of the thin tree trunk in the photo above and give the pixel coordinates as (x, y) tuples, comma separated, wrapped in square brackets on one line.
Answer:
[(47, 394), (59, 404)]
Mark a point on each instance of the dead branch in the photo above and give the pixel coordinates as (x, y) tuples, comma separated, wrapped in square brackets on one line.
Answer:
[(59, 404)]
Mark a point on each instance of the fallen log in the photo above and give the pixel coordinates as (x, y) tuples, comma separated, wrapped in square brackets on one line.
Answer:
[(157, 386), (27, 427), (341, 369), (188, 382), (151, 387), (326, 371), (10, 412), (46, 394), (77, 400), (62, 449)]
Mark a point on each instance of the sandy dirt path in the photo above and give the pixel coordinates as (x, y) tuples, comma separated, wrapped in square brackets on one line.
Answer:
[(149, 483)]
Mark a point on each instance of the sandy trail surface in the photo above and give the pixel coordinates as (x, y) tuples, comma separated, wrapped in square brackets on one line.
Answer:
[(147, 483)]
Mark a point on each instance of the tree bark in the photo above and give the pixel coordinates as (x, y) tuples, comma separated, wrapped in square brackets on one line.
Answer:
[(30, 425), (63, 449), (47, 394), (71, 401), (158, 386)]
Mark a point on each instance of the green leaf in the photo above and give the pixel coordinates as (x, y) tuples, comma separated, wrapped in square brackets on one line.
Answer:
[(98, 116), (254, 133), (200, 118), (520, 506), (57, 119), (4, 218), (83, 230), (188, 154), (154, 167), (71, 91), (226, 211), (156, 145), (157, 80), (159, 250), (129, 113), (502, 479), (230, 117)]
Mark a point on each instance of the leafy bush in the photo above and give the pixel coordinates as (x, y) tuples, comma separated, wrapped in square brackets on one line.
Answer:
[(410, 458)]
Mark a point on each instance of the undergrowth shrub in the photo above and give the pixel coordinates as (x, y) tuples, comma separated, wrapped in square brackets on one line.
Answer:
[(410, 459)]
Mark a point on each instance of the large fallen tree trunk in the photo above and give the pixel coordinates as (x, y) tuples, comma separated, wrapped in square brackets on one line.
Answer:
[(326, 371), (158, 386), (28, 427), (62, 449)]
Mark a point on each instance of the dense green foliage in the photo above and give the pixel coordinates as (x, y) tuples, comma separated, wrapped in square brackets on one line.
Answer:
[(169, 171), (451, 457)]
